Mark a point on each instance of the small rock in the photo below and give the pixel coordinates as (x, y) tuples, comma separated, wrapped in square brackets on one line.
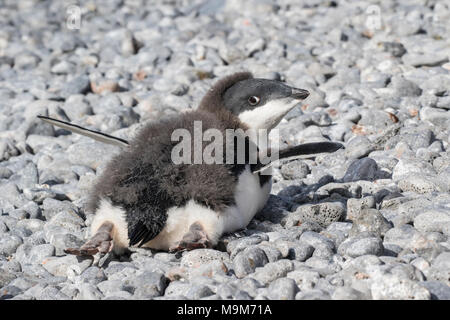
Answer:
[(52, 293), (149, 285), (323, 246), (77, 85), (370, 220), (9, 244), (438, 290), (52, 207), (323, 213), (432, 220), (354, 206), (210, 269), (102, 86), (359, 246), (401, 235), (296, 169), (283, 289), (88, 291), (306, 279), (198, 291), (314, 294), (272, 271), (391, 287), (66, 266), (93, 275), (248, 260), (361, 169), (404, 87), (34, 254), (358, 147), (63, 67), (91, 154), (323, 266), (32, 225), (418, 183), (237, 245), (395, 48), (347, 293), (429, 59), (195, 258), (440, 269)]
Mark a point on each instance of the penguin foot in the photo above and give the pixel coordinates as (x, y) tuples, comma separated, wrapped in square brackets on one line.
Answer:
[(101, 242), (195, 238)]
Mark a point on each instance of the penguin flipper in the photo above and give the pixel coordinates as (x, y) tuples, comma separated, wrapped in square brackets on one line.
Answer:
[(96, 135), (301, 149), (310, 148)]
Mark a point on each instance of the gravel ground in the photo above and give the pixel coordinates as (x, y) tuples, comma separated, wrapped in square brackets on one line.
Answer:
[(368, 222)]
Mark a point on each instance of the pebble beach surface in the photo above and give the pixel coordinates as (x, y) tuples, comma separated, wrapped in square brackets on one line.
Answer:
[(371, 221)]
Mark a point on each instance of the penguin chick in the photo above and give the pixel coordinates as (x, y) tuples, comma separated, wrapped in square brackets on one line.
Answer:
[(143, 198)]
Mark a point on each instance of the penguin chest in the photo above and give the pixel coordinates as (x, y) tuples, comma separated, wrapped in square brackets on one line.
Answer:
[(250, 197)]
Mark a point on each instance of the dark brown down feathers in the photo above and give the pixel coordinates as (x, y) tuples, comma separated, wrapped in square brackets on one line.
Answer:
[(145, 182)]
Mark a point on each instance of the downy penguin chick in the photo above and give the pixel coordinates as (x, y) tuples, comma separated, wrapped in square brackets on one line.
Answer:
[(143, 198)]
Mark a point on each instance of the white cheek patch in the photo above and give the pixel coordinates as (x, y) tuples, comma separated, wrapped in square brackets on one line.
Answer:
[(268, 115)]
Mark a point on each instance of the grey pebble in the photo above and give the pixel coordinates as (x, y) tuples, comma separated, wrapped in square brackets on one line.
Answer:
[(295, 170), (90, 154), (149, 285), (246, 261), (358, 147), (9, 244), (51, 207), (93, 275), (346, 293), (196, 292), (358, 246), (361, 169), (389, 287), (272, 271), (314, 294), (198, 257), (283, 289), (370, 220), (323, 266), (77, 85), (66, 265), (88, 291), (438, 290), (323, 213)]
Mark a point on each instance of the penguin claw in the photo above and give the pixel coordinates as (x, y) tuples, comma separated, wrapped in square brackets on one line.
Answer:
[(195, 238), (101, 242), (90, 249)]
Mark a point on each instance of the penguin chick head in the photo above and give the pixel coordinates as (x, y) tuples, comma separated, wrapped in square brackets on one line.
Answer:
[(258, 103), (262, 103)]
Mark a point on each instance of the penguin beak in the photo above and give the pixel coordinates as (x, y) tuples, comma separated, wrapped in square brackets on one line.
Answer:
[(299, 94)]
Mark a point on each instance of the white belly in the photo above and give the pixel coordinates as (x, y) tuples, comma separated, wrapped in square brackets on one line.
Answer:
[(250, 197)]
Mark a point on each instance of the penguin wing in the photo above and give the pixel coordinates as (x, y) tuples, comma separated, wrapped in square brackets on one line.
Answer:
[(302, 149), (96, 135), (310, 148)]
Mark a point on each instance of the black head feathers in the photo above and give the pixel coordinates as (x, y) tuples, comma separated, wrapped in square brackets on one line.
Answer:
[(213, 99)]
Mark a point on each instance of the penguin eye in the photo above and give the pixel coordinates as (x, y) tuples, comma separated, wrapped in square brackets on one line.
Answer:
[(253, 100)]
